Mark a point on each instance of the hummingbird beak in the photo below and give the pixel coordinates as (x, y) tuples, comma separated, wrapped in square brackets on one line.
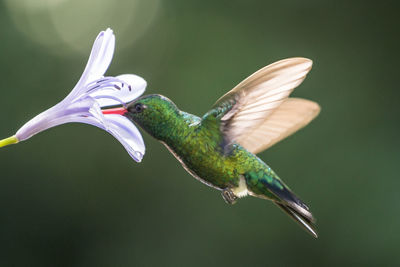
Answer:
[(118, 111), (9, 141)]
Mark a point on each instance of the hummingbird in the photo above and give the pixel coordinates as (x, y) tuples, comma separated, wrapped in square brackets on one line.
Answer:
[(219, 149)]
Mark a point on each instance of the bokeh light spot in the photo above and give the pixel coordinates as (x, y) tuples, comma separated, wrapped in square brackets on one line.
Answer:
[(70, 23)]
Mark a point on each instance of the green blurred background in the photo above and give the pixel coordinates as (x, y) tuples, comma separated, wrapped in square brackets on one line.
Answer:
[(72, 196)]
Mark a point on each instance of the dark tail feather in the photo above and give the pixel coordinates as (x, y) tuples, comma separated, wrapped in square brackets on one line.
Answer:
[(272, 188), (292, 205), (306, 221)]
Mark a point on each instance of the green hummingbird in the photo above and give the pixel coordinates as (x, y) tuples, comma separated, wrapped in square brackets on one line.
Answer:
[(220, 148)]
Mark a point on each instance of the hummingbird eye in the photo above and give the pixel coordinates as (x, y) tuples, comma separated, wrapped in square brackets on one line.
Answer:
[(139, 108)]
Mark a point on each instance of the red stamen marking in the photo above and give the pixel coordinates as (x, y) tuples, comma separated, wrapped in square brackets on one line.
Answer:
[(119, 111)]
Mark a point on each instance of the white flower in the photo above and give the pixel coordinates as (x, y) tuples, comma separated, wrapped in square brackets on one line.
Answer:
[(92, 93)]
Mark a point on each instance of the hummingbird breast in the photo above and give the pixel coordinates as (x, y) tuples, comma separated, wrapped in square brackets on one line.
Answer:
[(178, 157), (200, 154)]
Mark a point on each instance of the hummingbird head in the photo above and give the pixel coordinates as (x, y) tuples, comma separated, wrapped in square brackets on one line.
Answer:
[(156, 114)]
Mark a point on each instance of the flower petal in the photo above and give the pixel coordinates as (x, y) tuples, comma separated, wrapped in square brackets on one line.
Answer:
[(121, 128), (118, 126), (56, 115), (133, 86), (127, 134), (99, 60)]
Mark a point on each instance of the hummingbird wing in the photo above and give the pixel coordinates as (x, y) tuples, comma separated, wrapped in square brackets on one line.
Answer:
[(247, 107), (292, 115)]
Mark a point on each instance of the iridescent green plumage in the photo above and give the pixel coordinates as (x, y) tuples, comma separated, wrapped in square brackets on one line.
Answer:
[(210, 148)]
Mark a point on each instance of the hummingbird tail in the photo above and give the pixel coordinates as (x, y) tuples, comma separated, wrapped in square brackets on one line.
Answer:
[(266, 186), (305, 221), (294, 207)]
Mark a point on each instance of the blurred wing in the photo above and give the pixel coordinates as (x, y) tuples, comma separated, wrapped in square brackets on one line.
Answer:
[(292, 115), (247, 106)]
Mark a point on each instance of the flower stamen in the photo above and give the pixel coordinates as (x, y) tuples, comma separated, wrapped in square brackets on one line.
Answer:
[(110, 82)]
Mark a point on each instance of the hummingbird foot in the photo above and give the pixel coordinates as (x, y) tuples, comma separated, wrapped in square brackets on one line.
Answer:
[(229, 196)]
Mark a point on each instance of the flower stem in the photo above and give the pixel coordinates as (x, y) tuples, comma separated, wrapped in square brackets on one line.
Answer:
[(9, 141)]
